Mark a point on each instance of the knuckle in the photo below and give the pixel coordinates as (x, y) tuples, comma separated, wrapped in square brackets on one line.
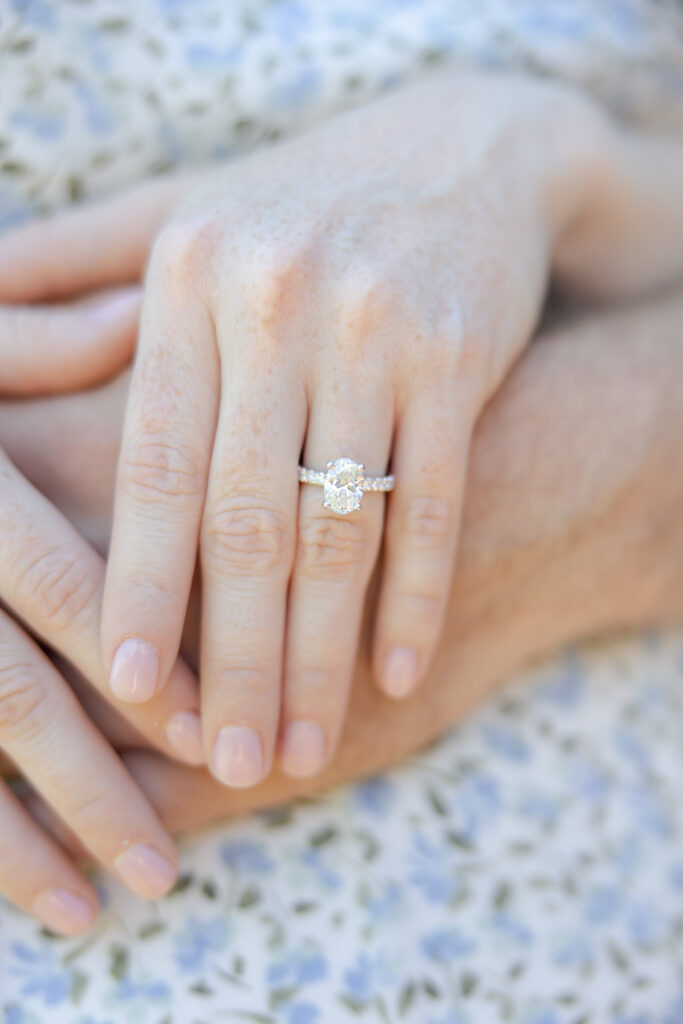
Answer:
[(459, 346), (318, 684), (274, 275), (159, 466), (367, 301), (56, 586), (427, 522), (253, 685), (421, 609), (332, 546), (244, 534), (91, 806), (22, 692), (185, 249)]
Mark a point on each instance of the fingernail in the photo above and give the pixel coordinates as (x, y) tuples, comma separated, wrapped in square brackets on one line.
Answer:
[(145, 871), (184, 733), (303, 749), (63, 911), (400, 672), (114, 305), (238, 756), (134, 671)]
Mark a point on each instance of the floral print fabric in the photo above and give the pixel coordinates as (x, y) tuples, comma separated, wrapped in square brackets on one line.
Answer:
[(526, 869), (529, 867)]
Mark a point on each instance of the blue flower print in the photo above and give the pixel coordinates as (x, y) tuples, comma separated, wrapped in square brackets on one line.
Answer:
[(153, 989), (447, 944), (35, 12), (504, 741), (316, 861), (433, 871), (587, 780), (574, 950), (40, 975), (649, 813), (198, 938), (511, 929), (477, 804), (539, 807), (367, 976), (676, 875), (388, 905), (646, 925), (299, 1013), (542, 1015), (565, 688), (674, 1011), (374, 796), (300, 967), (452, 1017), (603, 904), (247, 856), (43, 124)]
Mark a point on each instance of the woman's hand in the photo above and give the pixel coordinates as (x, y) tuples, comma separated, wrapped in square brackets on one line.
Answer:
[(586, 537), (358, 292)]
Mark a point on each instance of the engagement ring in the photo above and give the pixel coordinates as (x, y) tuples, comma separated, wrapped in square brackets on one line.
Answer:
[(343, 484)]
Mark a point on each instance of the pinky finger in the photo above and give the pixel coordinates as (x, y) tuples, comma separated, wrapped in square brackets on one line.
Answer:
[(423, 518), (38, 876)]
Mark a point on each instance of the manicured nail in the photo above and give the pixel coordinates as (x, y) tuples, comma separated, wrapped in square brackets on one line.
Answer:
[(134, 671), (63, 911), (303, 749), (145, 871), (400, 672), (115, 305), (184, 733), (238, 756)]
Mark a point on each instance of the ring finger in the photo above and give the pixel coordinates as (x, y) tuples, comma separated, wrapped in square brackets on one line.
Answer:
[(335, 557)]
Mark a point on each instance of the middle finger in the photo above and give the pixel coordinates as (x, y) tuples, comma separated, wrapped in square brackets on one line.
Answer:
[(247, 545)]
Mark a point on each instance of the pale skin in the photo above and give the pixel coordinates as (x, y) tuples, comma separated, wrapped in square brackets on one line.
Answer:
[(361, 290), (585, 539), (590, 205)]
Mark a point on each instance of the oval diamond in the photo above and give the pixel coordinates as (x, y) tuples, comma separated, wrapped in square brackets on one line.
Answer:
[(342, 491)]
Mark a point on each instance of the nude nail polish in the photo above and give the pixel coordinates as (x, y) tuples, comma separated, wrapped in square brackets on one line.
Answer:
[(400, 672), (63, 911), (238, 756), (134, 671), (184, 734), (145, 871)]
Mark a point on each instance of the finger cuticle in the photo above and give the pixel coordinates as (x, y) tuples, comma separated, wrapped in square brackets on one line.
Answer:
[(238, 756), (400, 672)]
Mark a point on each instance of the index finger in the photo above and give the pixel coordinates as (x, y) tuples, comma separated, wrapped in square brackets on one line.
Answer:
[(53, 579)]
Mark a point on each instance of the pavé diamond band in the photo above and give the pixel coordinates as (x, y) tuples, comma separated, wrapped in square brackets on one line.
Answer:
[(343, 484)]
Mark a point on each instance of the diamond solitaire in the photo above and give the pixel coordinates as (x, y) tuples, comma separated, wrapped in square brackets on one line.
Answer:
[(344, 483)]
